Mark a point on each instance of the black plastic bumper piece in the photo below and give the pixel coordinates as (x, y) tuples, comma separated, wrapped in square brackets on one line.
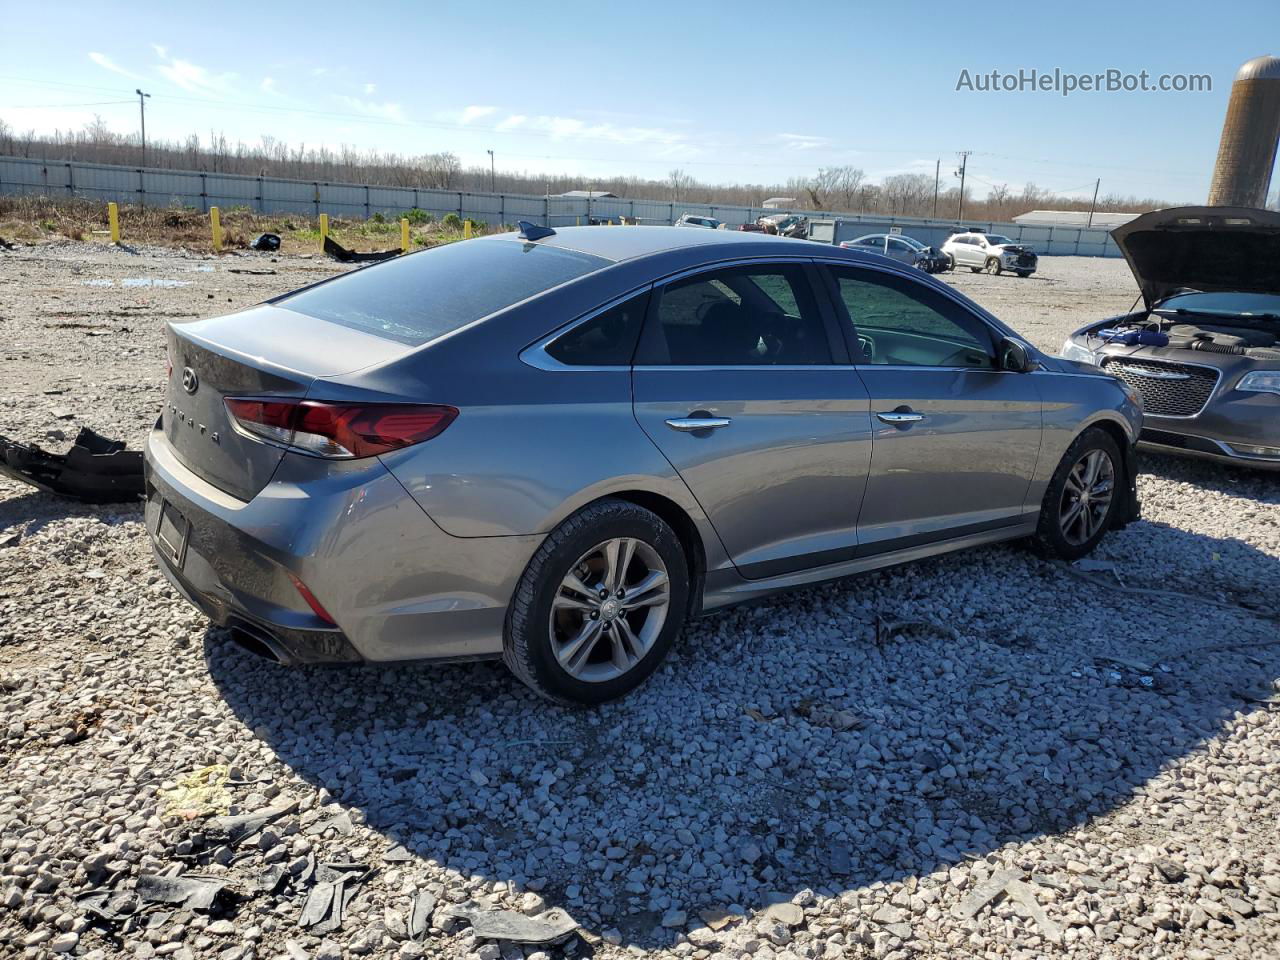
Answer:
[(94, 470)]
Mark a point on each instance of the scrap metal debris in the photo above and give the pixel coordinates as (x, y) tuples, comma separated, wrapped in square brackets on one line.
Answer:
[(6, 244), (550, 926), (343, 255), (233, 830), (1024, 894), (985, 892), (326, 903), (111, 906), (192, 892), (265, 241), (420, 911), (94, 470)]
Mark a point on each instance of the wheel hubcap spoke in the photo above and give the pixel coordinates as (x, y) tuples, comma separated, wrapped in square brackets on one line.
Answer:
[(609, 609), (1086, 497)]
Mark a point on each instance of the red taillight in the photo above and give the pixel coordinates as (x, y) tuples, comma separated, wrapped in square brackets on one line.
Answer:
[(316, 606), (338, 430)]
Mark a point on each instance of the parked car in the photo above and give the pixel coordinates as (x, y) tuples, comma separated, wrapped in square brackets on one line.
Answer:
[(904, 249), (785, 225), (704, 223), (1204, 350), (742, 227), (990, 252), (556, 447)]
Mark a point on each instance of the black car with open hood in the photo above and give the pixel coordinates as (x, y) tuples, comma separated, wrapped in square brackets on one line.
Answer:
[(1205, 249), (1204, 352)]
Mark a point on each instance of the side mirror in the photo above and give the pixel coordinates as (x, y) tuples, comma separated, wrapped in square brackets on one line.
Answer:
[(1015, 357)]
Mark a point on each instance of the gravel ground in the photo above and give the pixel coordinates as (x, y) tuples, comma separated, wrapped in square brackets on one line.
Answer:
[(1019, 761)]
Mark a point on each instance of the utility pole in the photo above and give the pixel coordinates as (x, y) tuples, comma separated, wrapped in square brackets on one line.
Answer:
[(491, 173), (142, 111), (1094, 206), (964, 162), (937, 170)]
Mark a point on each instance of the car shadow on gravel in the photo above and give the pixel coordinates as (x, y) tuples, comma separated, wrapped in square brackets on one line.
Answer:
[(788, 745)]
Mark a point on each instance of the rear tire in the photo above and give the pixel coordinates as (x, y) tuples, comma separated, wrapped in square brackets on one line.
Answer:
[(1083, 496), (598, 606)]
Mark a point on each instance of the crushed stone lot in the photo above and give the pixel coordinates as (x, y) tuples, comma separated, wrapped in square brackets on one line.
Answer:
[(978, 755)]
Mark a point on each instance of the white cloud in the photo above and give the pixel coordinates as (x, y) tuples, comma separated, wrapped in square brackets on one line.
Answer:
[(476, 113), (319, 71), (370, 88), (383, 111), (571, 128), (102, 60), (268, 85), (191, 76), (512, 122), (802, 141)]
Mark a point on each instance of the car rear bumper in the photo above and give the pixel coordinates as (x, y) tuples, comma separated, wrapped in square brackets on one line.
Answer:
[(395, 585)]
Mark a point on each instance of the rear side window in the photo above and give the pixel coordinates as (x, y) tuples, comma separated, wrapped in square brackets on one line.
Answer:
[(418, 298), (606, 340), (738, 316)]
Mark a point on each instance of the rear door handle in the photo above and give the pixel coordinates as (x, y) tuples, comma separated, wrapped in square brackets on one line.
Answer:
[(694, 424), (899, 416)]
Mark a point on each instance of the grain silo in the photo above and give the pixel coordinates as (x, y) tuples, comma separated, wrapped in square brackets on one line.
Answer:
[(1247, 152)]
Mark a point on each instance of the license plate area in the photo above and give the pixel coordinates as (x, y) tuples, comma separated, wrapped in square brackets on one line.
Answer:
[(172, 533)]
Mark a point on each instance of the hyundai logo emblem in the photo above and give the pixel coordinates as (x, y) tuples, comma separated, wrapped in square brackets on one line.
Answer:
[(190, 382)]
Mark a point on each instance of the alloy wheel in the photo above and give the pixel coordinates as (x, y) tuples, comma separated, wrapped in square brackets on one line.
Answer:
[(609, 609), (1086, 497)]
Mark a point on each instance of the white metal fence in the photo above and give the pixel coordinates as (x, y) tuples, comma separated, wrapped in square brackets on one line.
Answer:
[(183, 188)]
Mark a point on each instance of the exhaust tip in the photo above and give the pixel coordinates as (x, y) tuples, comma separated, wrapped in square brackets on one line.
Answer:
[(257, 642)]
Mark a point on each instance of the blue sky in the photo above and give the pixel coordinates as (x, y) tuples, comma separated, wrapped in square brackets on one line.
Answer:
[(730, 92)]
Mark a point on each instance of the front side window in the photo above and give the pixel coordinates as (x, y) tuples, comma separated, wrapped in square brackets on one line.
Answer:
[(901, 322), (738, 316), (606, 340)]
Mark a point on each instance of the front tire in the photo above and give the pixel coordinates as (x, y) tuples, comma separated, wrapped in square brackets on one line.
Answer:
[(993, 267), (1024, 274), (1083, 496), (599, 605)]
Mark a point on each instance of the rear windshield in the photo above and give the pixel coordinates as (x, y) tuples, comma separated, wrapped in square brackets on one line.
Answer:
[(418, 298)]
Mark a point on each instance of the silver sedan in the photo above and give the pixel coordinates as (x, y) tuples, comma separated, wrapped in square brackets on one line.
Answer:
[(556, 447)]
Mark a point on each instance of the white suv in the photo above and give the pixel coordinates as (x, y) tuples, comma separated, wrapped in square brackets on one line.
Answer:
[(989, 251), (706, 223)]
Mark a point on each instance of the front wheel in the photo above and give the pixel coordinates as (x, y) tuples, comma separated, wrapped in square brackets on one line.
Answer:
[(993, 266), (1083, 496), (599, 605), (1024, 274)]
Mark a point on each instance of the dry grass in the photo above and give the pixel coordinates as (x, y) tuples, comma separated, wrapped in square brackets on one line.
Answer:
[(40, 219)]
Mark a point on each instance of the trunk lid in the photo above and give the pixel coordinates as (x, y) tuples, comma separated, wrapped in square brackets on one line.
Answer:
[(228, 357), (1208, 249)]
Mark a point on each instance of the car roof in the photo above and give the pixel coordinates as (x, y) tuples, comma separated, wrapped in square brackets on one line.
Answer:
[(630, 243)]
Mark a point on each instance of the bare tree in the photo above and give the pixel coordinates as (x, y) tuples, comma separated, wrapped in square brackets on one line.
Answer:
[(681, 183)]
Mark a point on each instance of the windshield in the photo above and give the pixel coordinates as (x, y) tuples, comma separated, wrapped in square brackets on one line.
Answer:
[(995, 239), (421, 297), (912, 243), (1231, 304)]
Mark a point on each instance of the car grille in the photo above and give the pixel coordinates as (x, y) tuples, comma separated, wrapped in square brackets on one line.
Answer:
[(1164, 439), (1167, 389), (1026, 260)]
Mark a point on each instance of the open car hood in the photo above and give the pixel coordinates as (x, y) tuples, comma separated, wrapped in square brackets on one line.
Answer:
[(1209, 249)]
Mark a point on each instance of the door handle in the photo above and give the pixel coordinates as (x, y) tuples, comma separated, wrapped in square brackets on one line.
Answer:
[(899, 416), (694, 424)]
